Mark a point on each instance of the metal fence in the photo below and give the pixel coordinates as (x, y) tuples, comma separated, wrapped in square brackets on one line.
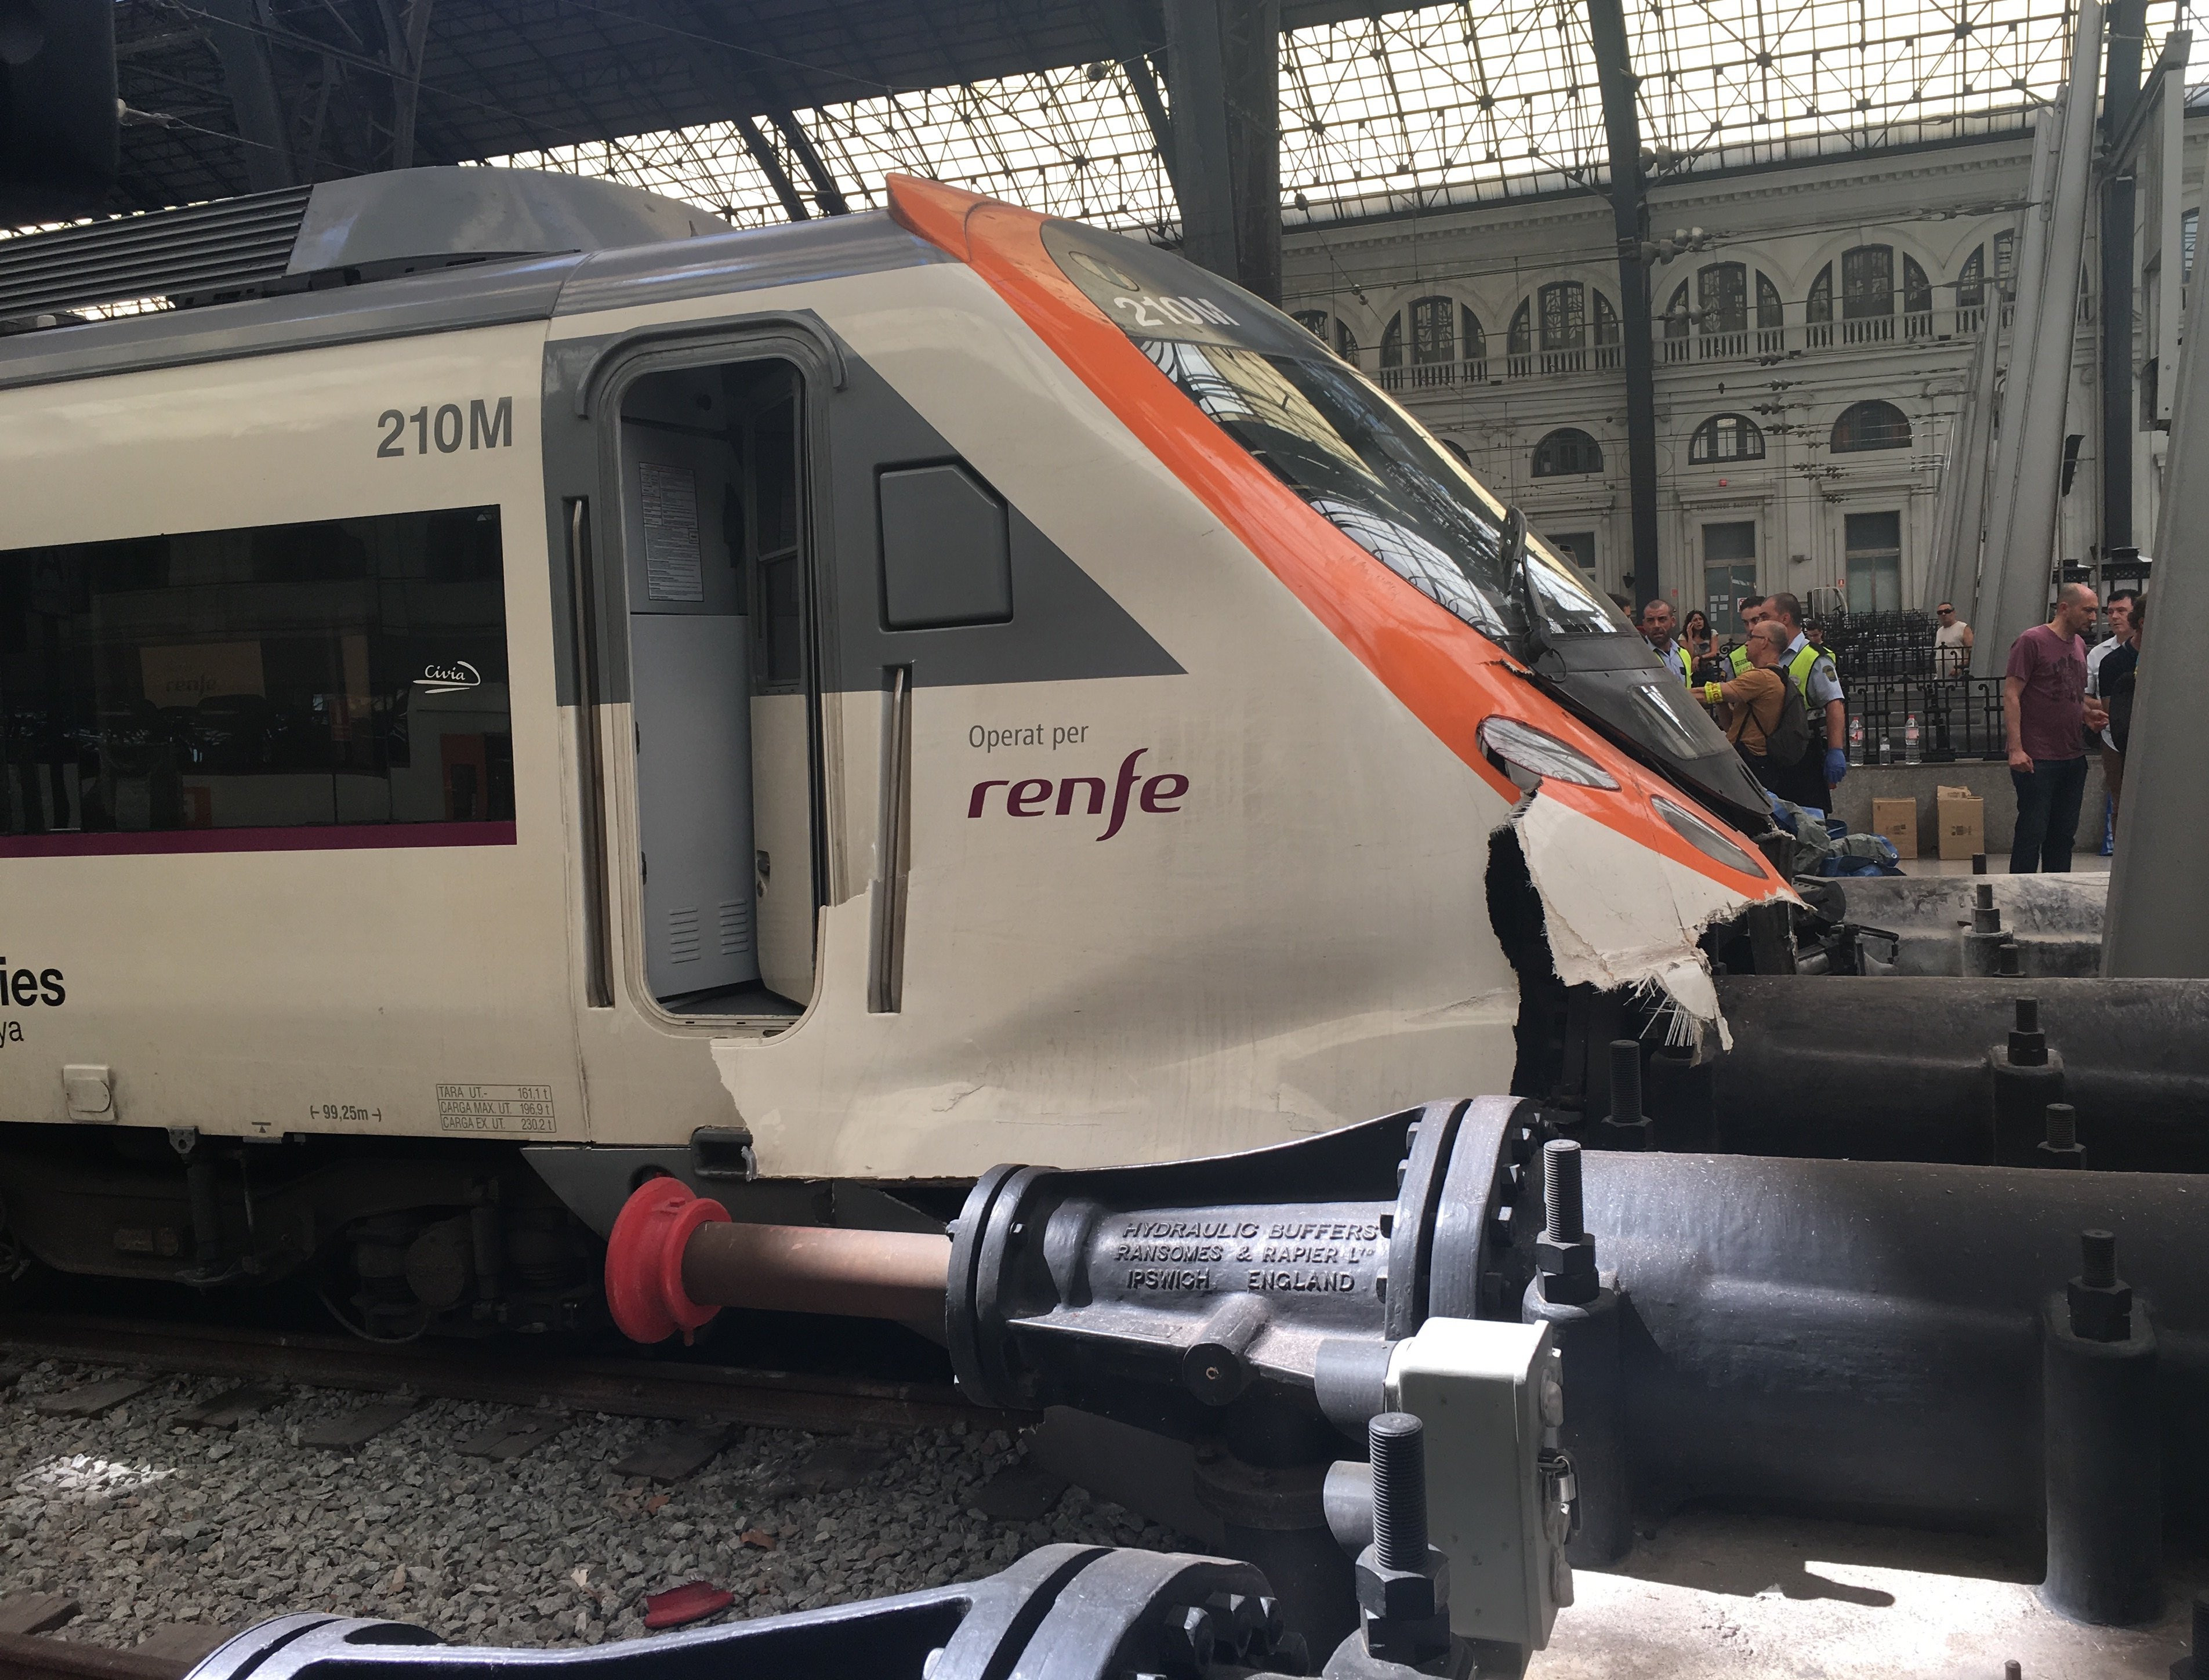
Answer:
[(1882, 646), (1958, 717)]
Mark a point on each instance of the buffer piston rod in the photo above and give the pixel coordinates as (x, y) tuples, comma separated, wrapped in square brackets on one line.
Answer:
[(817, 1268), (675, 1260)]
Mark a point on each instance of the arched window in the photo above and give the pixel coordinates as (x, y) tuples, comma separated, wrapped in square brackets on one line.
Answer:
[(1771, 314), (1564, 315), (1972, 282), (1870, 425), (1722, 295), (1457, 450), (1561, 311), (1476, 339), (1330, 330), (1391, 343), (1679, 323), (1433, 331), (1867, 282), (1726, 438), (1521, 339), (1917, 299), (1818, 310), (1565, 452)]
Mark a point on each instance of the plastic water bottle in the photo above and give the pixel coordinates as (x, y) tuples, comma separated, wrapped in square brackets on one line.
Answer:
[(1856, 740), (1886, 749), (1910, 753)]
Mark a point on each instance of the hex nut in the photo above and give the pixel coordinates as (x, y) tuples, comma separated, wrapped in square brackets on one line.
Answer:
[(1403, 1595)]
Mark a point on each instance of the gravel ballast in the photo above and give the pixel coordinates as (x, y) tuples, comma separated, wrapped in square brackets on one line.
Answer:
[(148, 1523)]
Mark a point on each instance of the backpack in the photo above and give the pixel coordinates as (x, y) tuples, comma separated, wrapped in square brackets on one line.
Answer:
[(1791, 736)]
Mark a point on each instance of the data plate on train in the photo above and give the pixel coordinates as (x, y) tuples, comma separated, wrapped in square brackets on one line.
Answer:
[(495, 1108)]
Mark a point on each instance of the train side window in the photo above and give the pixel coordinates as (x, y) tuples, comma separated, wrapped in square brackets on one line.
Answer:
[(721, 682), (947, 548), (200, 691)]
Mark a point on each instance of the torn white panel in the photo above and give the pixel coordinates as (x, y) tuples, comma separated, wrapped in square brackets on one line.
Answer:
[(1621, 915)]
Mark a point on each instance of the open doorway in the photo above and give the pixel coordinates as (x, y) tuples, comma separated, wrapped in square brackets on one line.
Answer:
[(721, 687)]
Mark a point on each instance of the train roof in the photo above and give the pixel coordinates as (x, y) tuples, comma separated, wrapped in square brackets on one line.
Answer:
[(389, 256)]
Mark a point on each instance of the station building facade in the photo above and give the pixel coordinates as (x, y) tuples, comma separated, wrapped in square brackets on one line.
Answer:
[(1812, 354)]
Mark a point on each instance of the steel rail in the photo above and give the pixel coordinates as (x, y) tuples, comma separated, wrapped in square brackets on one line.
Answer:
[(635, 1388), (41, 1657)]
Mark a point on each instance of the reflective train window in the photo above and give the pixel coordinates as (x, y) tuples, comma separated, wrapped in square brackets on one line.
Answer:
[(293, 677)]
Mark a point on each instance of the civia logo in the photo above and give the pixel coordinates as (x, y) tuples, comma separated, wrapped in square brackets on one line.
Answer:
[(448, 679), (1040, 795)]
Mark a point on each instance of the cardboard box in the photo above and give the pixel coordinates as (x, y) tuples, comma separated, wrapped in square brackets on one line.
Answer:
[(1960, 817), (1898, 820)]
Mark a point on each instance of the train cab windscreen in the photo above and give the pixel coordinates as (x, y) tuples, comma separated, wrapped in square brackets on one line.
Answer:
[(1356, 458)]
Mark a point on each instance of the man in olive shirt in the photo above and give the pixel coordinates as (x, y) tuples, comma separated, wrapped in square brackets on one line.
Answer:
[(1749, 706)]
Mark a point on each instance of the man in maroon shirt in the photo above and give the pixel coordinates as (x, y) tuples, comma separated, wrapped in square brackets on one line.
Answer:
[(2045, 712)]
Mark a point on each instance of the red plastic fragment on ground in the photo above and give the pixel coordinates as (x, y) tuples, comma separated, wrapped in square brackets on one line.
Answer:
[(692, 1601), (752, 1537)]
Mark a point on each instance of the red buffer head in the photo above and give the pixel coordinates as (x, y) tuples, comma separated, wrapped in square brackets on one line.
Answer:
[(644, 1260)]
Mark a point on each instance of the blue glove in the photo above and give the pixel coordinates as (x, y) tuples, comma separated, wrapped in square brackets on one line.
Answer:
[(1837, 766)]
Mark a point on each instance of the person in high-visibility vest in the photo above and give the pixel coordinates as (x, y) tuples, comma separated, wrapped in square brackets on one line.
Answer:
[(1754, 610), (1657, 629), (1811, 667)]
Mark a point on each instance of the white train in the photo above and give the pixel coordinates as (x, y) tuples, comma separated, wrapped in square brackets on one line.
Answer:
[(827, 708)]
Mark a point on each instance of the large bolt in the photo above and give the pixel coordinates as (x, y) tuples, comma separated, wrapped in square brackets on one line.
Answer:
[(2061, 1148), (1625, 1083), (1564, 1254), (2101, 1303), (1985, 919), (1560, 1190), (2009, 961), (1627, 1128), (1397, 1445), (2028, 1044)]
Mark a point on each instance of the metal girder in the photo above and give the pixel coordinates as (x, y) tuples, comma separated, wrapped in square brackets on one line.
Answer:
[(826, 193), (2020, 543), (1223, 64), (236, 27), (2121, 92), (407, 44), (1133, 53), (1630, 218), (770, 163)]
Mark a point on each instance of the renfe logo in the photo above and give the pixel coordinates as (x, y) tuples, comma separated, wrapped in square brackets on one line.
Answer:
[(1033, 797)]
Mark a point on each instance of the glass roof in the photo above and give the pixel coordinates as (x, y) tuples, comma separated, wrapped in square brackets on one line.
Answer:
[(1456, 104), (1069, 141)]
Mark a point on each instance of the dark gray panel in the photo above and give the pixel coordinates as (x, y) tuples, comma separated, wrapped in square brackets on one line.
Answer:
[(414, 213), (947, 554), (701, 267), (484, 295), (1068, 628)]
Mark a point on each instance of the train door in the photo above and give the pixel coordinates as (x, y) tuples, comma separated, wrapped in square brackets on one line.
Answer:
[(723, 701)]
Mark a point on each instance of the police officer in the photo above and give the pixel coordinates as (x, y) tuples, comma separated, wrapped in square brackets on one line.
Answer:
[(1811, 668), (1754, 610), (1657, 628)]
